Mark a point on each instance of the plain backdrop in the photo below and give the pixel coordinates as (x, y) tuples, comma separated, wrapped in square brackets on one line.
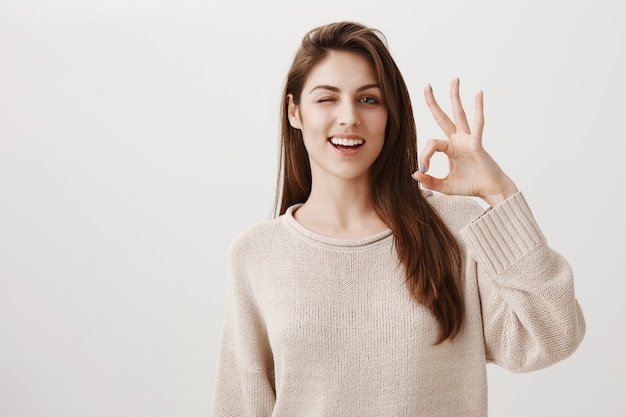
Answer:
[(138, 138)]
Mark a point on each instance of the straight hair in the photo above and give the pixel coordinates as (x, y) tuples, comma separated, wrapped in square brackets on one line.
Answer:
[(426, 248)]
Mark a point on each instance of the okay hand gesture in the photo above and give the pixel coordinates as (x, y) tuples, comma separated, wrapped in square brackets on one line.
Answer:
[(472, 171)]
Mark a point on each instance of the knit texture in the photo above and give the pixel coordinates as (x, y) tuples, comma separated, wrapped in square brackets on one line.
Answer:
[(317, 326)]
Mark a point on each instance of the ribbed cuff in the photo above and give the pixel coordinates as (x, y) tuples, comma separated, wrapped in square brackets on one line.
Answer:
[(503, 234)]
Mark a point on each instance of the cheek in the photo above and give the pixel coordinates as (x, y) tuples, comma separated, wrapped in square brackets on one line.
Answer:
[(312, 119), (314, 127), (381, 124)]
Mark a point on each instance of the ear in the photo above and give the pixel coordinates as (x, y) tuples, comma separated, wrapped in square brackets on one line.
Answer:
[(293, 112)]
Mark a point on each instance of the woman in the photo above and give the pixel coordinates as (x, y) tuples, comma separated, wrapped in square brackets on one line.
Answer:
[(368, 296)]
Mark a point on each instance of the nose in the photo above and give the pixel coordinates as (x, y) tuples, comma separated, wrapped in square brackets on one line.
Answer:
[(348, 114)]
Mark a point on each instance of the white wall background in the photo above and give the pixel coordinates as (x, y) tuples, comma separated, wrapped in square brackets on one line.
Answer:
[(137, 138)]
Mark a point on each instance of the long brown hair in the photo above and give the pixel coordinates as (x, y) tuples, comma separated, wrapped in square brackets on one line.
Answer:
[(426, 248)]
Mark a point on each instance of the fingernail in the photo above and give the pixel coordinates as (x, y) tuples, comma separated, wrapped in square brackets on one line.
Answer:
[(422, 168)]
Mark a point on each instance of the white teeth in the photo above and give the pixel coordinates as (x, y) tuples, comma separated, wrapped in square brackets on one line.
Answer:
[(346, 142)]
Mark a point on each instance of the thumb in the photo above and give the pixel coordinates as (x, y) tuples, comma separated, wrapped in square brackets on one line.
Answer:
[(427, 181)]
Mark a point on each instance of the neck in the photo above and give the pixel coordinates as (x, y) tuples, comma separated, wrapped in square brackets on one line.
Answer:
[(340, 209)]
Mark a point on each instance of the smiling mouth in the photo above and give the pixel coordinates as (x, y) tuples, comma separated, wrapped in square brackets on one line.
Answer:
[(343, 143)]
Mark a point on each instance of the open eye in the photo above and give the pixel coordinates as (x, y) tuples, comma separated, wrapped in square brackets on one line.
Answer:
[(369, 100)]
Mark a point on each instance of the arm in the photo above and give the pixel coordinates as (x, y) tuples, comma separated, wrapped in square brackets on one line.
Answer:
[(531, 318), (245, 377)]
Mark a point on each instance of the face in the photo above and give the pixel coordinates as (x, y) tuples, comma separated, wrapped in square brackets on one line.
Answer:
[(342, 117)]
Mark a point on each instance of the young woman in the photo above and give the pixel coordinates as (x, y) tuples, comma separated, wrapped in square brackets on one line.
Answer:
[(367, 295)]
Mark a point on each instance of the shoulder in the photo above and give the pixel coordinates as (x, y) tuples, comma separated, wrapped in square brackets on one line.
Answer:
[(258, 236), (252, 248), (456, 211)]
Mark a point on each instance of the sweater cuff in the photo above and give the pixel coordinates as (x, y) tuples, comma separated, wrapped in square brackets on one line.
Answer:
[(503, 234)]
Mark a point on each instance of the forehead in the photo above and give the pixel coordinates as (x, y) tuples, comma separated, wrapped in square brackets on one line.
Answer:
[(342, 69)]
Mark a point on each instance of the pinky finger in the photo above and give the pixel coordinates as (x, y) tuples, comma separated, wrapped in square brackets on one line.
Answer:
[(479, 116)]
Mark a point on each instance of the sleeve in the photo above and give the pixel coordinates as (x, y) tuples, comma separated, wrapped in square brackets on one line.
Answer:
[(531, 318), (245, 377)]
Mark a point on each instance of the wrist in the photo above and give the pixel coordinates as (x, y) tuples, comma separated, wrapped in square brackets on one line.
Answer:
[(507, 190)]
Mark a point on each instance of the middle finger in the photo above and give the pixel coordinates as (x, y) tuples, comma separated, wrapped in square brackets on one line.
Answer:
[(441, 118)]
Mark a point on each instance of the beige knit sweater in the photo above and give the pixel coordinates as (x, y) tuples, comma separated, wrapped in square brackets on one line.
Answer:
[(325, 327)]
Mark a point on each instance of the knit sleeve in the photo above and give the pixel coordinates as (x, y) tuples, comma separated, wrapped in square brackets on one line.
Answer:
[(245, 377), (531, 318)]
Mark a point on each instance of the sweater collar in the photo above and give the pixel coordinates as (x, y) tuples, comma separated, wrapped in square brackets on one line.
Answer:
[(332, 243)]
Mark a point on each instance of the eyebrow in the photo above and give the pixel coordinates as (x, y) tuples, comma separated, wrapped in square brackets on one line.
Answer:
[(336, 89)]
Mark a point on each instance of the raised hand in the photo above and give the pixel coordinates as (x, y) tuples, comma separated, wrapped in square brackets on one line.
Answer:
[(472, 171)]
